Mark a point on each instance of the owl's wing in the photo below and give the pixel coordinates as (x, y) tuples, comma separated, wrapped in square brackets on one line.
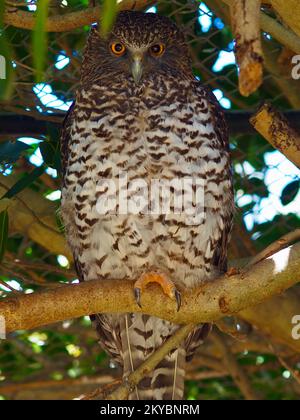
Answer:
[(65, 138), (196, 338), (218, 117), (221, 129)]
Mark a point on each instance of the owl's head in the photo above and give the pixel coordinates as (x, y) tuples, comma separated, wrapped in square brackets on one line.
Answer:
[(140, 46)]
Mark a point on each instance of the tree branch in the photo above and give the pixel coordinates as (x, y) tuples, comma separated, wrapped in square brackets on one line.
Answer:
[(17, 125), (207, 303), (245, 20), (289, 11), (276, 29), (276, 129), (276, 246), (128, 386), (34, 216), (287, 365), (236, 371), (274, 318), (67, 21), (286, 37), (280, 32)]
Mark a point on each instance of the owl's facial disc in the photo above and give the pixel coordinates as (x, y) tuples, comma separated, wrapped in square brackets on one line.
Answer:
[(139, 60)]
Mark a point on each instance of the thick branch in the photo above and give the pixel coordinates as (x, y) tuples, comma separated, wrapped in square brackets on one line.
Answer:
[(245, 19), (22, 125), (274, 318), (209, 302), (280, 32), (68, 21), (276, 29), (34, 216), (289, 10), (288, 38), (276, 129)]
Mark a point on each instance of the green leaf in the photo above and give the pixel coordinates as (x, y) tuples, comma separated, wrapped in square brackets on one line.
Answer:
[(40, 39), (50, 149), (3, 232), (10, 152), (108, 13), (23, 183), (289, 192)]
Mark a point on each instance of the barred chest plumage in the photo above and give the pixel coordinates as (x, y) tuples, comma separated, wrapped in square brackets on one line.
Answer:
[(161, 130)]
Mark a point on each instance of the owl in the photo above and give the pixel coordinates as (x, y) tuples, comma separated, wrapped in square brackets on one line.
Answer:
[(140, 118)]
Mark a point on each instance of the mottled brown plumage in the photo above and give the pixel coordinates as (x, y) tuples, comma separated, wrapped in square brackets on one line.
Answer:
[(162, 124)]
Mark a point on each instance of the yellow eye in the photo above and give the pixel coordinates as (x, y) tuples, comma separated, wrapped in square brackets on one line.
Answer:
[(157, 50), (118, 49)]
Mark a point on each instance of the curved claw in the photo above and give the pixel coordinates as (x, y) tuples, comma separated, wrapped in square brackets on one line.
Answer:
[(137, 296), (178, 299), (154, 277)]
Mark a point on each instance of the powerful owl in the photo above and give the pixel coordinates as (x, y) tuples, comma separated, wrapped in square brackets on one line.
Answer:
[(140, 118)]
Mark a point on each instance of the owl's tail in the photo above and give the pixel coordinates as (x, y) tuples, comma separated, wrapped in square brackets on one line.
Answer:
[(141, 335)]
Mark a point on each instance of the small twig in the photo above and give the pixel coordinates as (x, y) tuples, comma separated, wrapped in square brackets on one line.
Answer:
[(7, 286), (129, 384), (276, 246), (21, 263), (50, 383), (295, 373), (232, 328), (67, 21), (102, 392), (34, 215), (236, 371)]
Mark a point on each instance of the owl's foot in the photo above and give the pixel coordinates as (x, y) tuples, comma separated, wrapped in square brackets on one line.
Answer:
[(166, 284)]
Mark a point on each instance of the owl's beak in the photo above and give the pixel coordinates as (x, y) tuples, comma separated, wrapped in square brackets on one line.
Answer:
[(137, 68)]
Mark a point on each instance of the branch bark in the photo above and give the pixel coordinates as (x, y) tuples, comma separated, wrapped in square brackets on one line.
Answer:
[(289, 10), (276, 129), (16, 125), (33, 215), (276, 246), (280, 32), (274, 28), (274, 318), (245, 19), (265, 316), (207, 303), (67, 21), (128, 386)]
